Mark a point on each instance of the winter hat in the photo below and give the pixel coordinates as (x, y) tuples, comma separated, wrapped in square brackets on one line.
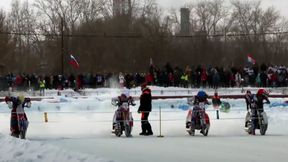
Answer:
[(143, 85)]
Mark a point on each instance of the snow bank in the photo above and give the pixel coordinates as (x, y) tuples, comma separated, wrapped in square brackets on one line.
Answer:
[(13, 150)]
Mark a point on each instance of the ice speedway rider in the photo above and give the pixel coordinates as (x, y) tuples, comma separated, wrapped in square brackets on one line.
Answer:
[(197, 114), (200, 100), (123, 111), (256, 105), (18, 121)]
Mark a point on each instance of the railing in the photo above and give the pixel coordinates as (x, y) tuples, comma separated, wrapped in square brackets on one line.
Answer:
[(158, 115)]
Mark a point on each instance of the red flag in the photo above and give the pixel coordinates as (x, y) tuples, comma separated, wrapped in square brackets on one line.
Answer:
[(251, 59), (73, 62)]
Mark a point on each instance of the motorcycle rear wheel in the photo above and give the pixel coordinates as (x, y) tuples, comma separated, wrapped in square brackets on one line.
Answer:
[(118, 130), (206, 130), (192, 130)]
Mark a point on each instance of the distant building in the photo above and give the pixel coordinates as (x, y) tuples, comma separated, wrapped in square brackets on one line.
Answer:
[(185, 21), (120, 7)]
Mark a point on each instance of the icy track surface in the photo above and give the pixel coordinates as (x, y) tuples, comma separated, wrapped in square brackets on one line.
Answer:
[(79, 130), (25, 150)]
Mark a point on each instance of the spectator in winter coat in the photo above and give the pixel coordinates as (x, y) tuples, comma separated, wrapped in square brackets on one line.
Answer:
[(145, 109), (238, 79), (184, 80), (171, 79), (204, 77), (149, 78), (42, 86), (121, 80), (264, 79)]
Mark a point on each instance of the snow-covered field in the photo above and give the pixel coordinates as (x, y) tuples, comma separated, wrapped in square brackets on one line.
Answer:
[(79, 129)]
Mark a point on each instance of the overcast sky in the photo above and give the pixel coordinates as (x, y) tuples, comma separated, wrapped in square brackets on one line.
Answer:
[(280, 5)]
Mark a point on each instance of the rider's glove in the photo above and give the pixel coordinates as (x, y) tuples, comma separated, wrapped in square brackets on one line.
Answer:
[(7, 99)]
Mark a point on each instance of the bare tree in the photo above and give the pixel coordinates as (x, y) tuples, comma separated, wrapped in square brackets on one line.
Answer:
[(5, 44), (22, 22), (208, 14), (104, 40), (255, 22)]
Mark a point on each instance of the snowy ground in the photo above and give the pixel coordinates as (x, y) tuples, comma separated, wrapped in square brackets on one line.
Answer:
[(79, 130)]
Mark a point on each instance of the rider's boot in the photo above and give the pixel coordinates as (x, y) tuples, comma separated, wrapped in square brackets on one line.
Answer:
[(252, 132), (15, 135), (149, 133), (144, 129)]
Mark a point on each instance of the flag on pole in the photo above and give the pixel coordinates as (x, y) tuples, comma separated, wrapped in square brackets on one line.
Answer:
[(73, 62), (250, 59), (151, 61)]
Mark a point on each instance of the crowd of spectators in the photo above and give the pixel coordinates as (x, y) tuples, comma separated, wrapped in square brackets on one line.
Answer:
[(189, 76)]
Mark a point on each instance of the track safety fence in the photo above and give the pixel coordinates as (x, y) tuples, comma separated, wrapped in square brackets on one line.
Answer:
[(156, 117)]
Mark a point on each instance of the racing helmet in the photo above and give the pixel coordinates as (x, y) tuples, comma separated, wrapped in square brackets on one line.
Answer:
[(143, 85), (262, 92), (248, 93), (21, 98), (201, 94)]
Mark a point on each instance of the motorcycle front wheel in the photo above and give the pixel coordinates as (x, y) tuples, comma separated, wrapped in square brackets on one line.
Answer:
[(118, 130), (263, 129), (205, 130), (128, 130), (192, 129)]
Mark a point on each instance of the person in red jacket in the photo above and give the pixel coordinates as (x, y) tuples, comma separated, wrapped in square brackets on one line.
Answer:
[(149, 79), (216, 102), (145, 109)]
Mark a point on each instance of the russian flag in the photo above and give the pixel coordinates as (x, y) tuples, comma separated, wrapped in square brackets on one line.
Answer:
[(73, 62), (251, 59)]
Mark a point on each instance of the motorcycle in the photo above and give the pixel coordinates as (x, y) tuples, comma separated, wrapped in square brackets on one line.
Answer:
[(261, 122), (197, 119), (122, 120)]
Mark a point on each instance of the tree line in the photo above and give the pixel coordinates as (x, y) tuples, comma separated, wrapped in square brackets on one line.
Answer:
[(39, 37)]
